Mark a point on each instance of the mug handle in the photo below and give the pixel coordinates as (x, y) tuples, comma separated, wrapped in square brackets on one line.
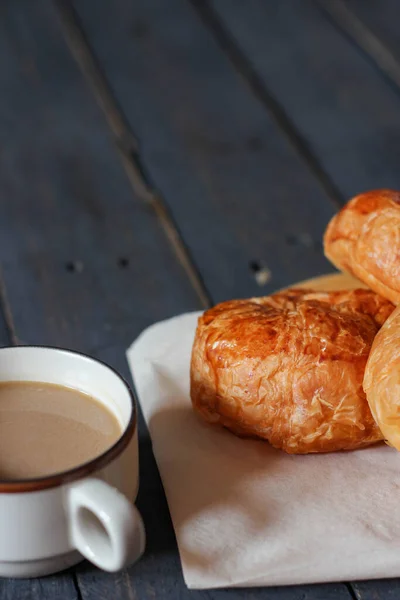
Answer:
[(104, 526)]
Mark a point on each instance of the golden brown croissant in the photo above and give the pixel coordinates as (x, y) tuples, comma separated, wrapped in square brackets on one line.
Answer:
[(289, 368), (382, 379), (364, 239)]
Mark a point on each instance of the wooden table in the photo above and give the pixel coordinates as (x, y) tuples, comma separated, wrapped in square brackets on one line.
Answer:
[(158, 156)]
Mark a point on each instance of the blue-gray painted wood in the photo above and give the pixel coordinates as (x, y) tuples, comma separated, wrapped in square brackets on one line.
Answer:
[(379, 23), (70, 215), (386, 589), (238, 190), (67, 218), (101, 588), (380, 18), (336, 97), (55, 587)]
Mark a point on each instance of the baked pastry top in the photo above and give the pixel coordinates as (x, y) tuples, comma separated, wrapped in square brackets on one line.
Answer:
[(289, 368), (364, 240), (382, 379)]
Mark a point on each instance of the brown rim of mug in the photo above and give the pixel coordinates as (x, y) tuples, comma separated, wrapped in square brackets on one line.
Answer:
[(84, 470)]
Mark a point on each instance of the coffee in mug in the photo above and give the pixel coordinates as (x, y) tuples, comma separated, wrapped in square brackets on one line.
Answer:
[(68, 463), (47, 428)]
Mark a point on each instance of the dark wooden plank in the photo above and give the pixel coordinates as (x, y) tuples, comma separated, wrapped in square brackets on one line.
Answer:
[(339, 102), (126, 143), (56, 586), (71, 202), (98, 587), (386, 589), (374, 28), (237, 189), (85, 264)]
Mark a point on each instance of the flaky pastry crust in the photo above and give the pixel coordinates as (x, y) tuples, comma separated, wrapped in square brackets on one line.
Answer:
[(382, 379), (364, 240), (289, 368)]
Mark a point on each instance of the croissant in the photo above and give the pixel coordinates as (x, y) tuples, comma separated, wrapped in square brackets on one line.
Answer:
[(382, 379), (289, 368), (364, 240)]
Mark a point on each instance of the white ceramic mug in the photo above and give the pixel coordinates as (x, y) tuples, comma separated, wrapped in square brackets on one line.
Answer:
[(51, 523)]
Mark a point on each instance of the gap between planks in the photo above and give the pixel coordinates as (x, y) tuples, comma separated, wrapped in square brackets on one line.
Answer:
[(359, 33), (245, 69), (6, 315), (76, 585), (352, 592), (126, 143)]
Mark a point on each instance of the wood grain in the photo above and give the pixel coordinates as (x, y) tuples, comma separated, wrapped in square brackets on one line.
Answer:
[(386, 589), (336, 97), (85, 263), (59, 586), (238, 191), (374, 29), (89, 256), (127, 144)]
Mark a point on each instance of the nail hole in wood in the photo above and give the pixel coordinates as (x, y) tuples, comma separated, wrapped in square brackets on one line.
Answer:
[(123, 262), (74, 266), (260, 271)]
